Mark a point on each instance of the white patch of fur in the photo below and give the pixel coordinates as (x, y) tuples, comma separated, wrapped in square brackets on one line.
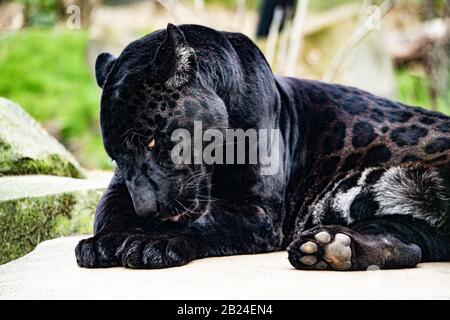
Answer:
[(365, 173), (343, 200), (182, 66), (398, 193), (319, 208)]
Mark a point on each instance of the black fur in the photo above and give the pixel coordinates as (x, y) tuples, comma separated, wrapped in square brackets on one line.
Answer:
[(170, 78)]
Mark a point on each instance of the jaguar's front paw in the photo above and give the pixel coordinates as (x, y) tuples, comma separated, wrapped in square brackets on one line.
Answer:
[(99, 251), (321, 249), (146, 252)]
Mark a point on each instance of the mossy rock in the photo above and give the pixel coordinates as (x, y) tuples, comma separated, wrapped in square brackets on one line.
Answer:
[(25, 148), (37, 208)]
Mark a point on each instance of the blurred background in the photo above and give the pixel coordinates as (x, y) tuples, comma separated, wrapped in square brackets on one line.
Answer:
[(397, 49)]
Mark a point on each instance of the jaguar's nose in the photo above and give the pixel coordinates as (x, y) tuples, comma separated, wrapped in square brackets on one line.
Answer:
[(145, 205)]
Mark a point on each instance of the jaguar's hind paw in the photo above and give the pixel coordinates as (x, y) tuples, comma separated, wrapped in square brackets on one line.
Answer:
[(321, 249)]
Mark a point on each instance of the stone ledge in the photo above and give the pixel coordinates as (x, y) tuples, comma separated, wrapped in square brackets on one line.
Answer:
[(17, 187), (50, 272), (36, 208), (26, 148)]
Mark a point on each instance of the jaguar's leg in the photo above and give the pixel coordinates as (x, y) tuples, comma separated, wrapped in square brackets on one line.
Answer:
[(115, 221), (382, 243), (397, 217), (218, 233), (121, 238)]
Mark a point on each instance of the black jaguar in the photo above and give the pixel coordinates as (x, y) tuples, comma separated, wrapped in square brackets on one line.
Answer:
[(362, 181)]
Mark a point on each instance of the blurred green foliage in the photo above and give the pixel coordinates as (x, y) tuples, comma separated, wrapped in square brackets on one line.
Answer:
[(326, 5), (412, 89), (41, 12), (45, 70)]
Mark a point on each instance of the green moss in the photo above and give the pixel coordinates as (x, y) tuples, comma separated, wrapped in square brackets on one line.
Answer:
[(81, 218), (51, 165), (26, 222)]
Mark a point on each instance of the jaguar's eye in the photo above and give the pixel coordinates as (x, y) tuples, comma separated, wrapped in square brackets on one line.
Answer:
[(152, 144)]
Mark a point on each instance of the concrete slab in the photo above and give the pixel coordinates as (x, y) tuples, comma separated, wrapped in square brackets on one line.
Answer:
[(50, 272)]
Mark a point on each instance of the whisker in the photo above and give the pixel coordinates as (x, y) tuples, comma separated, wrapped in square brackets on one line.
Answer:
[(187, 209), (126, 132), (194, 181)]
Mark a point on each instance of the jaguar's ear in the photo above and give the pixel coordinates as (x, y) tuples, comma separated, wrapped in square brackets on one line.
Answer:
[(103, 66), (175, 59)]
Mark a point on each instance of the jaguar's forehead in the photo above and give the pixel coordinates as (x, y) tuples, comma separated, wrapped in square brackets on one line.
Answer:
[(144, 108)]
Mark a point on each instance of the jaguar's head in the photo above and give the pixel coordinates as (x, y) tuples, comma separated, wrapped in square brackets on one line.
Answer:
[(150, 90)]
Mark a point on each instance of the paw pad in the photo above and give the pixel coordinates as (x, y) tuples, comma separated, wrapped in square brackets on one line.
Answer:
[(308, 260), (338, 253), (323, 237), (309, 247), (322, 252)]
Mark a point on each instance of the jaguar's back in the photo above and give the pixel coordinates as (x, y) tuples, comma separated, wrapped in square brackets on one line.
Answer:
[(358, 130)]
